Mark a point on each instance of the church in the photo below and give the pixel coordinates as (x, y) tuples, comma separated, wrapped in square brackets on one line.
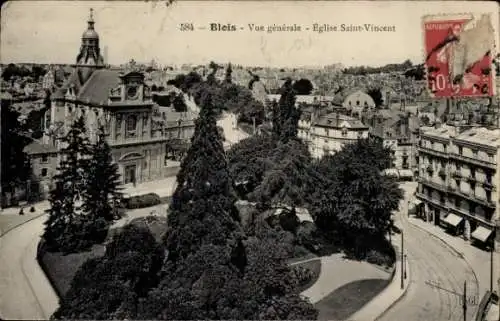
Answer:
[(146, 143)]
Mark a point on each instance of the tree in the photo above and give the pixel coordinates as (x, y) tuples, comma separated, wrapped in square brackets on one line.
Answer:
[(14, 161), (229, 71), (179, 103), (376, 95), (303, 87), (357, 199), (111, 286), (211, 271), (285, 115), (64, 226), (102, 197)]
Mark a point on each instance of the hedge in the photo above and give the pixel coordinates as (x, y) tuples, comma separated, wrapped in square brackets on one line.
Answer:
[(142, 201)]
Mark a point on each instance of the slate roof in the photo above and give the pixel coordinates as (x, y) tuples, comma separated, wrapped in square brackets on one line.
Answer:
[(96, 89), (37, 148), (330, 121)]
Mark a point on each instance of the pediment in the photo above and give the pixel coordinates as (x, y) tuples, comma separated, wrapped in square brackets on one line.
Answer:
[(131, 156)]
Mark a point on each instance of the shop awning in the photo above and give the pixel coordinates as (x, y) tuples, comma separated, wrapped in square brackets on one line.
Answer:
[(405, 173), (453, 219), (481, 233)]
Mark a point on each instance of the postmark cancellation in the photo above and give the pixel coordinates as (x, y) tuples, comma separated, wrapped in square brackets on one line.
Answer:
[(459, 52)]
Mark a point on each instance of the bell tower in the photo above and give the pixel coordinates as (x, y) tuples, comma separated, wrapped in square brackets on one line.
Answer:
[(89, 58)]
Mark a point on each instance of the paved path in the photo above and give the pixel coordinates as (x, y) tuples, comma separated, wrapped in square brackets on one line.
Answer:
[(337, 271), (431, 260), (231, 132)]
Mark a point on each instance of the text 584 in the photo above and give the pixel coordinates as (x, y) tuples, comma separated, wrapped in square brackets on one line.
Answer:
[(186, 27)]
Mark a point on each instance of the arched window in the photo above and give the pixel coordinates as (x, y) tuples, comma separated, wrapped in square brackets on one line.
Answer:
[(131, 126)]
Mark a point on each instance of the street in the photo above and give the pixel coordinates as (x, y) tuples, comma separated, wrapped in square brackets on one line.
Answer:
[(437, 277), (17, 296)]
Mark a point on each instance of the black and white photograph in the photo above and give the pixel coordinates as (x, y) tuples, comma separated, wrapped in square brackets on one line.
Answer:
[(250, 160)]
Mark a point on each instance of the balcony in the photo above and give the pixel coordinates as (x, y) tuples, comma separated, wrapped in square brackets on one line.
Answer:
[(137, 140), (471, 179), (488, 186), (434, 185), (457, 174), (442, 172), (427, 198), (477, 162), (471, 196), (433, 152), (429, 169)]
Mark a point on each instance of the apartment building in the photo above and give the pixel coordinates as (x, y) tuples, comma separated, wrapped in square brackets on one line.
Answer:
[(329, 133), (459, 180)]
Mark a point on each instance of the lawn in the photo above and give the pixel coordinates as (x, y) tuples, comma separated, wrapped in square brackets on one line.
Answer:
[(60, 269), (348, 299)]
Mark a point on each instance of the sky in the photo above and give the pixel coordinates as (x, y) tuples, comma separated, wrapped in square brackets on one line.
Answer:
[(50, 31)]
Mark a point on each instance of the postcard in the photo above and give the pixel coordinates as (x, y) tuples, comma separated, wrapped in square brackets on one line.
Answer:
[(185, 159)]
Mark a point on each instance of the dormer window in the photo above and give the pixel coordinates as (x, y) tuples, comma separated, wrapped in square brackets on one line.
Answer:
[(357, 102)]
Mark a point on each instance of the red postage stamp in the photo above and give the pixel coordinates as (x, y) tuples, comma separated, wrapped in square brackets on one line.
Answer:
[(459, 50)]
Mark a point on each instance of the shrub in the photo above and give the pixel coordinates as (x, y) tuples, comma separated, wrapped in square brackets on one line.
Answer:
[(289, 220), (376, 257), (142, 201), (302, 274), (32, 209)]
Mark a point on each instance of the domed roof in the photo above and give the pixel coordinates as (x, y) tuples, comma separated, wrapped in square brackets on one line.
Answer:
[(90, 34)]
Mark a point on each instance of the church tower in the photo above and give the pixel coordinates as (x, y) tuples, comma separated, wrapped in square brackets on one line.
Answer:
[(89, 58)]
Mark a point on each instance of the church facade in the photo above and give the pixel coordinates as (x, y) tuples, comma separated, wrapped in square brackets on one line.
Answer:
[(142, 140)]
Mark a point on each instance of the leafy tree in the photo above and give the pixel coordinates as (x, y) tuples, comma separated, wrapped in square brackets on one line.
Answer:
[(102, 196), (376, 95), (64, 227), (285, 181), (111, 286), (303, 87), (14, 161), (357, 199), (248, 160), (179, 103)]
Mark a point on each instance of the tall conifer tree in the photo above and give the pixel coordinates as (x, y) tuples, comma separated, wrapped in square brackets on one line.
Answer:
[(103, 196), (63, 226)]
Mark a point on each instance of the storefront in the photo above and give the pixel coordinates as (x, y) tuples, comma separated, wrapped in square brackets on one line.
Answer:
[(483, 235), (454, 223)]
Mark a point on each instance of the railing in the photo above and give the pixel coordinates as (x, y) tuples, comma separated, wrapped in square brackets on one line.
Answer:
[(475, 161), (432, 152), (432, 184)]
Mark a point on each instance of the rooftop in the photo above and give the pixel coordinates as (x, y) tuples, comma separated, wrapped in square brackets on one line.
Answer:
[(336, 120), (482, 136), (443, 132), (38, 148)]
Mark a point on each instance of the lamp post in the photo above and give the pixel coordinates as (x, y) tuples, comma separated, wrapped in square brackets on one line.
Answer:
[(492, 250), (402, 261)]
